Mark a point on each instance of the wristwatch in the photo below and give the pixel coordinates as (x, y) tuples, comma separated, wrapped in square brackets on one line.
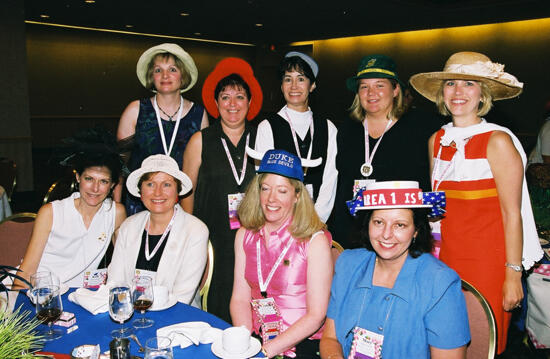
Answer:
[(515, 267)]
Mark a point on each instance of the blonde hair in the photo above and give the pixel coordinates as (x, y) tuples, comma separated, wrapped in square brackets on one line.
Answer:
[(185, 78), (357, 112), (485, 100), (305, 221)]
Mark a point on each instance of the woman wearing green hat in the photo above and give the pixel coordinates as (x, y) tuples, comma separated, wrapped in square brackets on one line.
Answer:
[(380, 142), (164, 123)]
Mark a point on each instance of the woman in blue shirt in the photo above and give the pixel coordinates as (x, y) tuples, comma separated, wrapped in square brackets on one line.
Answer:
[(393, 299)]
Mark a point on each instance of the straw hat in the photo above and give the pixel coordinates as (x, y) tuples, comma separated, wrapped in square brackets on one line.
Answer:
[(224, 68), (173, 49), (469, 66)]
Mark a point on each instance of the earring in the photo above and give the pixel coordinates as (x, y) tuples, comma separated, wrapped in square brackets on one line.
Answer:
[(414, 239)]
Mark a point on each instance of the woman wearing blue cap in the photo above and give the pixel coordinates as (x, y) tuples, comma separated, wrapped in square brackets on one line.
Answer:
[(283, 262), (379, 142), (295, 129)]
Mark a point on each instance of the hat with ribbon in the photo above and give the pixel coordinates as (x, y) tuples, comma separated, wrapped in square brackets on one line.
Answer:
[(175, 50), (282, 163), (158, 163), (224, 68), (396, 194), (374, 67), (469, 66)]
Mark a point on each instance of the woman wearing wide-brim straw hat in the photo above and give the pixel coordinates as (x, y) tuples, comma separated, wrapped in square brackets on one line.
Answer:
[(488, 232), (163, 123), (379, 141)]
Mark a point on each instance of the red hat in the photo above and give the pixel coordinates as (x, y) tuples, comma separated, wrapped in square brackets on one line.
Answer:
[(224, 68)]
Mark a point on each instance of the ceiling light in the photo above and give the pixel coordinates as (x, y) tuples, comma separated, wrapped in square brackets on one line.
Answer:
[(259, 25), (44, 16), (184, 14), (198, 33), (89, 1), (129, 26)]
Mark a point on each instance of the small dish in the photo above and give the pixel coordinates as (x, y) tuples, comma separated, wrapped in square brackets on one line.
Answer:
[(172, 300), (253, 349)]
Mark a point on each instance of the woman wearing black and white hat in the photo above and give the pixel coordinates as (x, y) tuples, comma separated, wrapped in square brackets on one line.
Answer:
[(295, 129), (165, 122), (164, 241)]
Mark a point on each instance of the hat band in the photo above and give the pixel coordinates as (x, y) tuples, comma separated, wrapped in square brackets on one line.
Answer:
[(391, 73), (488, 69)]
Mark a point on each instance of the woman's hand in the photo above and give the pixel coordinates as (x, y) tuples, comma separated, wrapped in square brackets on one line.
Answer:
[(512, 291)]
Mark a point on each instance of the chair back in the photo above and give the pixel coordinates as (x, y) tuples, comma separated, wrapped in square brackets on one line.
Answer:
[(207, 277), (336, 250), (483, 327), (8, 178), (60, 189), (15, 234)]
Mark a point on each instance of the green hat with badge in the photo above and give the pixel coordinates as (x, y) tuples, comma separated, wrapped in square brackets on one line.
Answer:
[(373, 67)]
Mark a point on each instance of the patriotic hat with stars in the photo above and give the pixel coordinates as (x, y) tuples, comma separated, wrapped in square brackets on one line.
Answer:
[(396, 194)]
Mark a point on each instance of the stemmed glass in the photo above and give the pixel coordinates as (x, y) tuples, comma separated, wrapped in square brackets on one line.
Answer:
[(120, 308), (158, 348), (48, 308), (142, 297)]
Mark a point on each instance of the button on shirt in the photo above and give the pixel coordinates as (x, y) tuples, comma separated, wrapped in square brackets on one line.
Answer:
[(424, 308)]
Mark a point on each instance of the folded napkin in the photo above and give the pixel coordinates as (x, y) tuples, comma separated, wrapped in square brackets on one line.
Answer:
[(94, 301), (187, 333)]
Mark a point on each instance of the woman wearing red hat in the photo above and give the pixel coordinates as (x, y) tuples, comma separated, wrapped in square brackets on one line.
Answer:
[(216, 161), (163, 123)]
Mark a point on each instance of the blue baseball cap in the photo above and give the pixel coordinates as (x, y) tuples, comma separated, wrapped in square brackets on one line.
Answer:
[(282, 163)]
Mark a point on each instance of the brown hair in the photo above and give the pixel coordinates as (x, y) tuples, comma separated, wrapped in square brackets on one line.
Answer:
[(147, 176), (185, 78)]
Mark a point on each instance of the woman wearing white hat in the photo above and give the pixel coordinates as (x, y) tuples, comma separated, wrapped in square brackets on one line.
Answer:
[(163, 242), (488, 232), (165, 122)]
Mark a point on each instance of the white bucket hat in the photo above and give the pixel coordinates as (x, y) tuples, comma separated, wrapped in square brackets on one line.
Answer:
[(174, 49), (158, 163)]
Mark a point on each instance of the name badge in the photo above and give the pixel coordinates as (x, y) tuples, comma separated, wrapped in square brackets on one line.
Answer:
[(269, 316), (366, 344), (233, 202), (359, 183), (146, 273), (95, 278)]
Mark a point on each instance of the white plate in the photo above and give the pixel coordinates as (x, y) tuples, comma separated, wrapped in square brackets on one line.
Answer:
[(169, 303), (253, 349)]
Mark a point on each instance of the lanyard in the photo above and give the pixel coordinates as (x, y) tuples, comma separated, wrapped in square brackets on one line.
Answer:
[(148, 255), (369, 156), (263, 285), (167, 150), (293, 131), (238, 179)]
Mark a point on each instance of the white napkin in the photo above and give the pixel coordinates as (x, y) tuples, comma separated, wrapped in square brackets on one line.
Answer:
[(94, 302), (187, 333)]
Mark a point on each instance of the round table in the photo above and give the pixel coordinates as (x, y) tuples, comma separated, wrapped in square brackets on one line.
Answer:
[(96, 329)]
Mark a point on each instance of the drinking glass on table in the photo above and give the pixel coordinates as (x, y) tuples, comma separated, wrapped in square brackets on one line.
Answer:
[(121, 308), (158, 348), (48, 308), (142, 297)]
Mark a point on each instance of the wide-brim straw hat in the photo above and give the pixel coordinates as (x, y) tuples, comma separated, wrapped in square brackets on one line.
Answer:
[(174, 49), (158, 163), (224, 68), (469, 66)]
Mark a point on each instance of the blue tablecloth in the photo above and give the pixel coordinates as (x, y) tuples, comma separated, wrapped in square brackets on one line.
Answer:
[(96, 329)]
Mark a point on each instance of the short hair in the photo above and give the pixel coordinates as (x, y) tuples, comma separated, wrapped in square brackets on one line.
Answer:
[(185, 78), (111, 161), (295, 63), (305, 221), (423, 242), (357, 112), (233, 80), (485, 101), (147, 176)]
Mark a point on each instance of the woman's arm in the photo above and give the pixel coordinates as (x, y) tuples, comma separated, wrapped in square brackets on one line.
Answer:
[(39, 237), (319, 278), (126, 128), (431, 142), (456, 353), (120, 217), (329, 346), (327, 190), (239, 307), (204, 123), (507, 168), (191, 165)]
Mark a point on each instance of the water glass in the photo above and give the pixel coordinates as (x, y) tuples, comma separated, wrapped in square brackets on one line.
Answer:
[(121, 309), (158, 348)]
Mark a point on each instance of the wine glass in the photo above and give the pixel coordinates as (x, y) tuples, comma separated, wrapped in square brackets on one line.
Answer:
[(42, 279), (158, 348), (48, 308), (120, 308), (142, 297)]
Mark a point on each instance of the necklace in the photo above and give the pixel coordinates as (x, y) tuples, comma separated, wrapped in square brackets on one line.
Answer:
[(167, 115), (367, 168)]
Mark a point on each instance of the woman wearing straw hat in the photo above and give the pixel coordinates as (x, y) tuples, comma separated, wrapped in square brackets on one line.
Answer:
[(488, 232), (380, 142), (295, 129), (220, 169), (165, 122), (163, 242), (393, 299), (283, 262)]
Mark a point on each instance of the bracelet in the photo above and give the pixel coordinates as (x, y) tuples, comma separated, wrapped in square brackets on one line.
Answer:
[(515, 267)]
